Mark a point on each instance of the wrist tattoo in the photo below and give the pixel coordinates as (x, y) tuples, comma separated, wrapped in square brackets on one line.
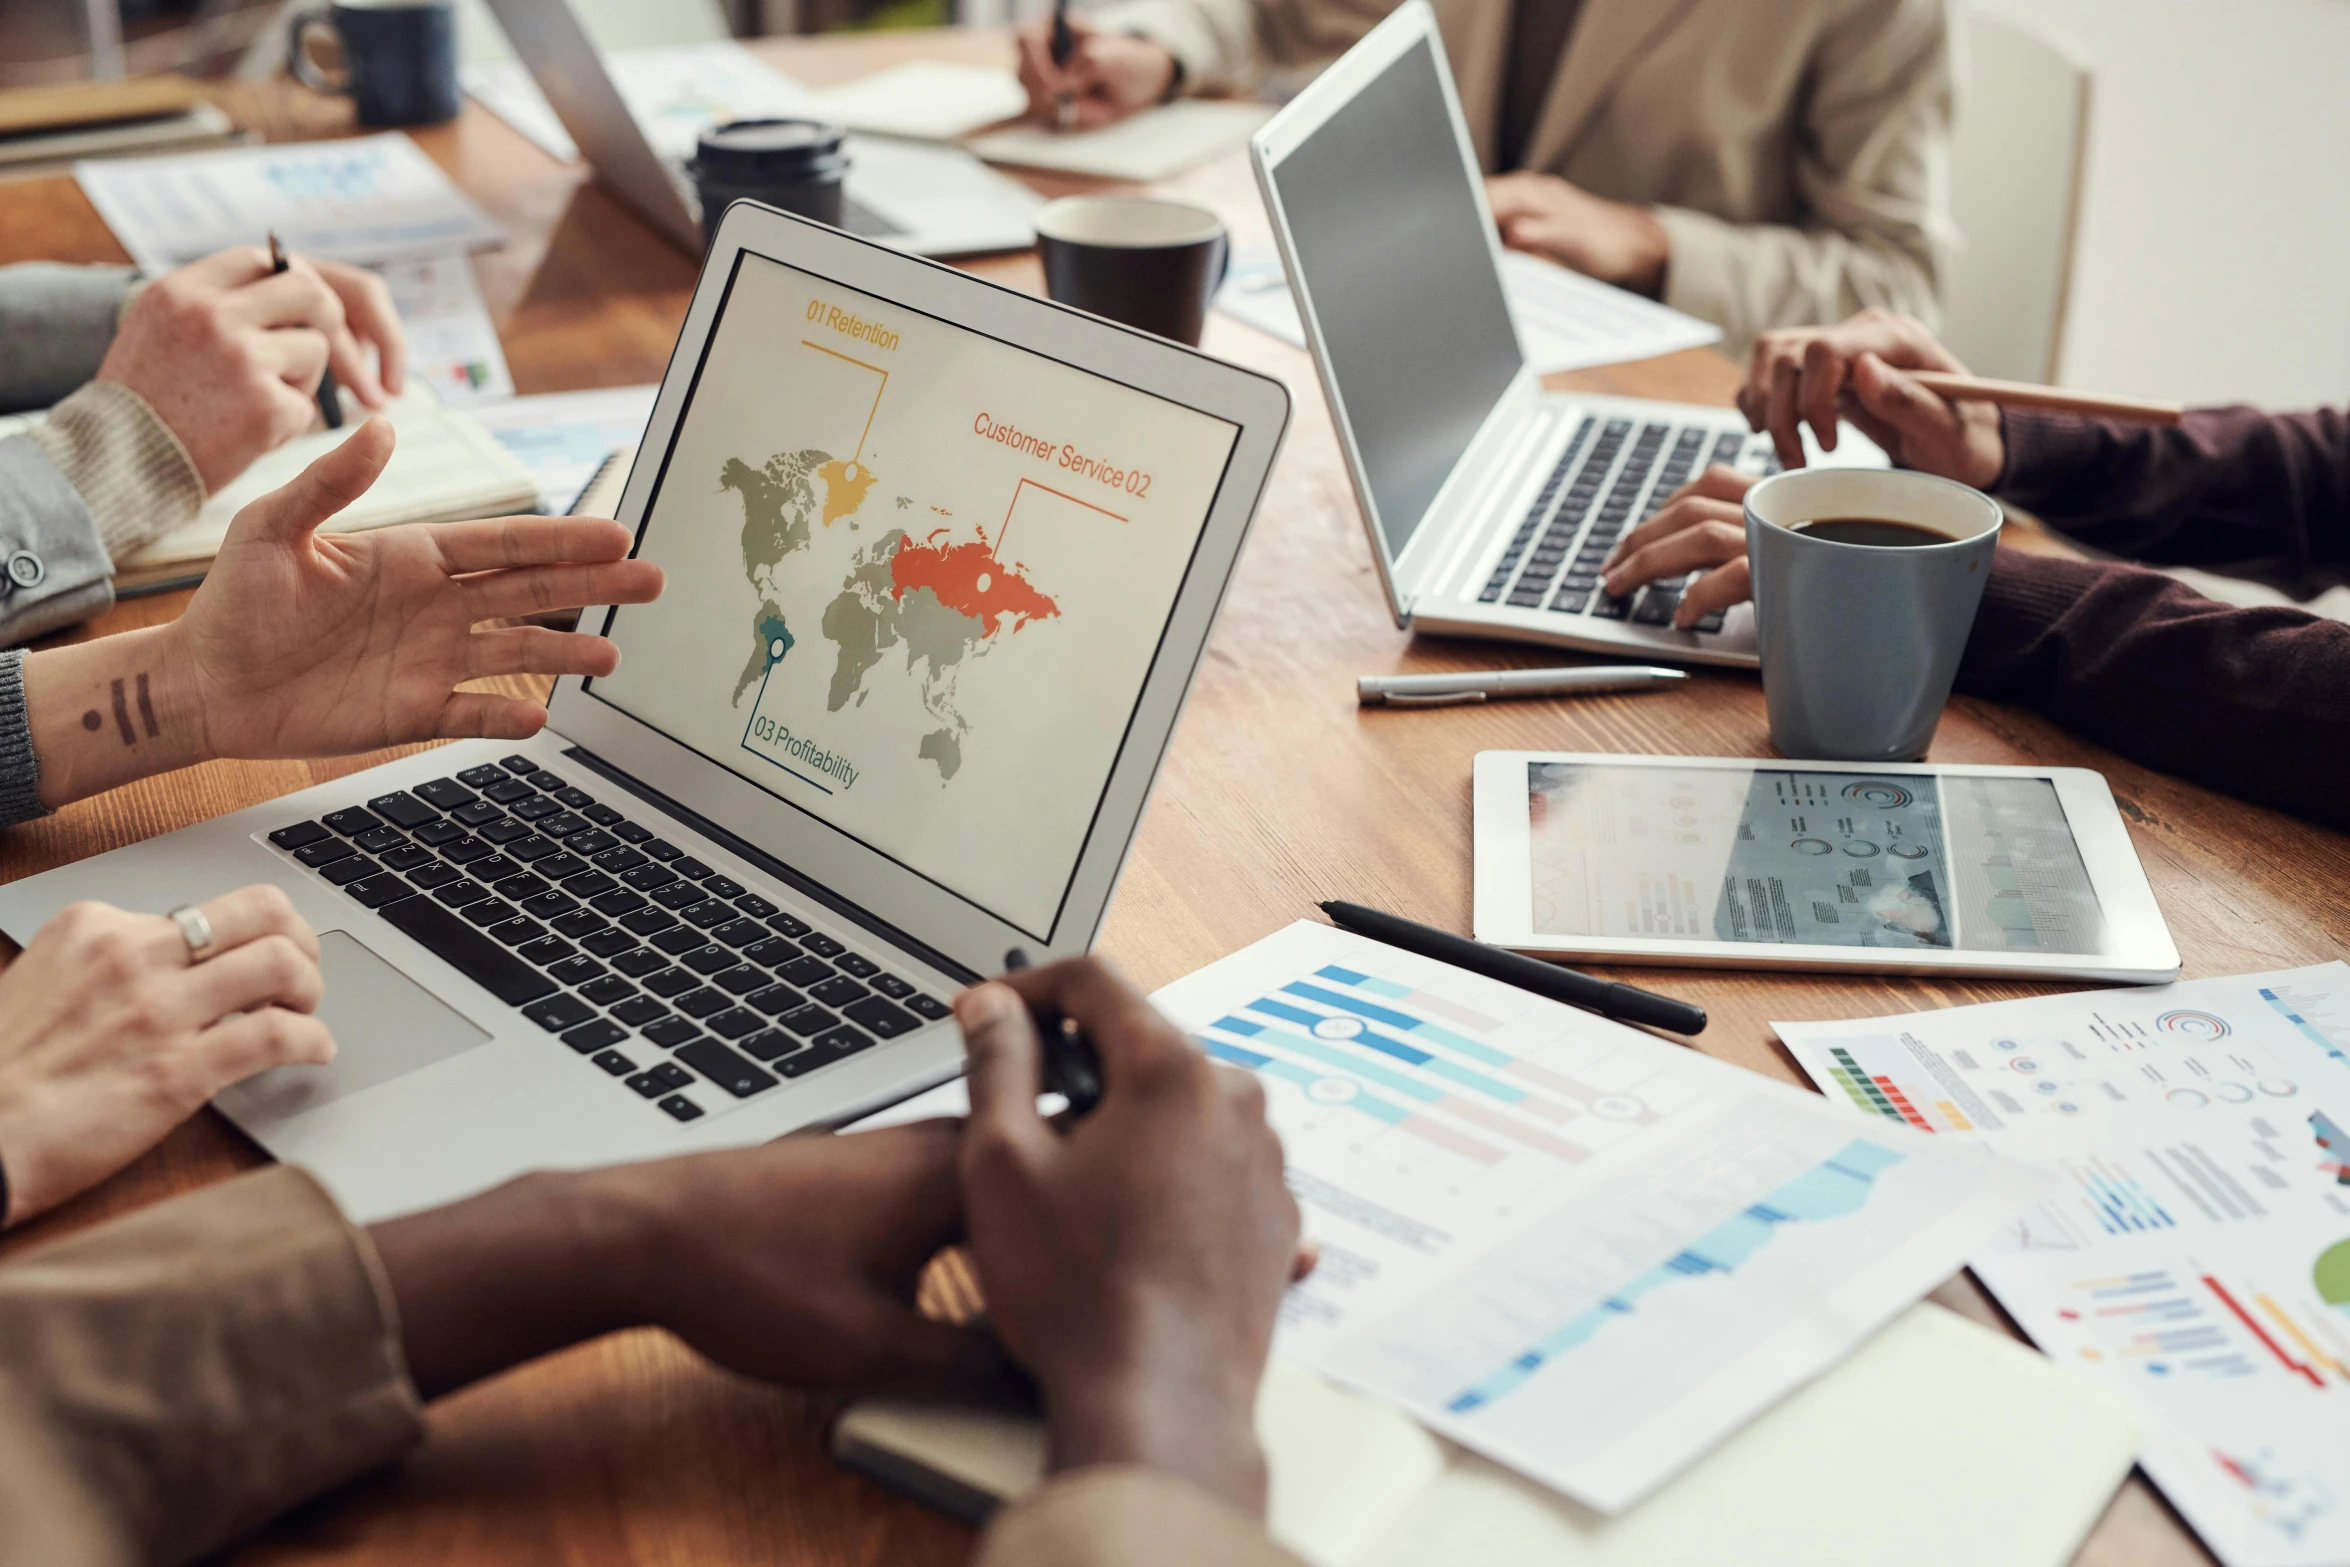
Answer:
[(122, 713)]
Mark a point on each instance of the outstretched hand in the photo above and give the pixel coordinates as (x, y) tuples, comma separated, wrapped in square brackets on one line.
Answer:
[(309, 644)]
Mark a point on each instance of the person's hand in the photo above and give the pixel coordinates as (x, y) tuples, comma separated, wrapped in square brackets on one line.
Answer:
[(1702, 528), (1109, 75), (795, 1261), (1854, 370), (1135, 1264), (229, 355), (110, 1037), (1612, 241)]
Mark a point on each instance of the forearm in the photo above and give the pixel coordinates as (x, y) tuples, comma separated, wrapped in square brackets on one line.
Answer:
[(110, 710), (2224, 485), (2254, 702)]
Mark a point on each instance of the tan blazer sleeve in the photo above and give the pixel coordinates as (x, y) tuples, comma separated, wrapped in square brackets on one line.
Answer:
[(1230, 43), (1871, 174), (172, 1379), (1126, 1517)]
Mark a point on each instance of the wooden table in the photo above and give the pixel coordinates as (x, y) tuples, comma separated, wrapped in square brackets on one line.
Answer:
[(1278, 791)]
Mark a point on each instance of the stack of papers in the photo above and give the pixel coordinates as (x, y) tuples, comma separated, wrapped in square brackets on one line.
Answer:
[(2196, 1255), (563, 438)]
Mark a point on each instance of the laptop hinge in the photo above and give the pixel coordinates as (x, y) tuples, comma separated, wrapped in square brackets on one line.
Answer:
[(774, 867)]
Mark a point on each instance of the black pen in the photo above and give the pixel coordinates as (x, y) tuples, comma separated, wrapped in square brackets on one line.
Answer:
[(1064, 44), (330, 404), (1072, 1067), (1605, 996)]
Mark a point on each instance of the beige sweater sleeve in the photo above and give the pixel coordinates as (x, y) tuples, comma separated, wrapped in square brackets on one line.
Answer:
[(1230, 43), (1126, 1517), (172, 1379), (122, 459)]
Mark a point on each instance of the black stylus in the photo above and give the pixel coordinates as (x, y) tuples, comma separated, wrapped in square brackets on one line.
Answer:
[(1607, 997), (1072, 1067), (330, 402)]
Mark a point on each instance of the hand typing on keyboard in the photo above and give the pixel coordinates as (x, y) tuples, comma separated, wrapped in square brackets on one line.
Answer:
[(307, 644), (1701, 529)]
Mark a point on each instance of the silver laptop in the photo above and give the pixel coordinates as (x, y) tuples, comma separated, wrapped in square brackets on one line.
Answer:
[(916, 196), (1490, 503), (941, 560)]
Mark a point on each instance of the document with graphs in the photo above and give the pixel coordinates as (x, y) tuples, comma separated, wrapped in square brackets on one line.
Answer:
[(2195, 1253), (918, 577), (1577, 1249)]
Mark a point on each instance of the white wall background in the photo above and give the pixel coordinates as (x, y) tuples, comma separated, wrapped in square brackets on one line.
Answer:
[(2213, 262)]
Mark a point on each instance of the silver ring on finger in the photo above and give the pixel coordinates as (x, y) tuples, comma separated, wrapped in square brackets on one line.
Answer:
[(195, 930)]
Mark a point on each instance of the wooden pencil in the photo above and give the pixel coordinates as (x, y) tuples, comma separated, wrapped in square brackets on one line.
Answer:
[(2021, 394)]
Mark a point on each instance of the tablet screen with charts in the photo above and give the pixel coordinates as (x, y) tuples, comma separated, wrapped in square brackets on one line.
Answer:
[(1718, 860)]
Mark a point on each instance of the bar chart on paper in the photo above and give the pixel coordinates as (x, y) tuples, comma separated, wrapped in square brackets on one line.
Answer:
[(1576, 1248)]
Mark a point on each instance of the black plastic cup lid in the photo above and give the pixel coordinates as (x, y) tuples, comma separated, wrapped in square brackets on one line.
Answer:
[(767, 149)]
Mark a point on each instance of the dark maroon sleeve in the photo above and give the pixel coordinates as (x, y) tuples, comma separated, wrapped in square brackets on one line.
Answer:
[(2224, 485), (2253, 702)]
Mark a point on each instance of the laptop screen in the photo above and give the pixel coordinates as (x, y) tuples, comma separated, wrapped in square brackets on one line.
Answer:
[(917, 579), (1388, 231)]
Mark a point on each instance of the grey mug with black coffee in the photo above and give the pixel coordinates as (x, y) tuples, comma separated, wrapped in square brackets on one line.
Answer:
[(1866, 584), (1146, 263)]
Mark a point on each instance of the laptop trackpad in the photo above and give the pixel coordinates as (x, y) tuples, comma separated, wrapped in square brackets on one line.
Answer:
[(385, 1026)]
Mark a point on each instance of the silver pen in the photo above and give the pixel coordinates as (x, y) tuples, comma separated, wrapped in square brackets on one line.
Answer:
[(1483, 685)]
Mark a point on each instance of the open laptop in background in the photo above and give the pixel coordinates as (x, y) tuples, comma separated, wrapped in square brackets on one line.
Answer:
[(941, 561), (921, 197), (1489, 502)]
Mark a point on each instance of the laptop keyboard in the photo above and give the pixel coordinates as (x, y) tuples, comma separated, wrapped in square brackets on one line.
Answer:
[(646, 961), (1609, 469)]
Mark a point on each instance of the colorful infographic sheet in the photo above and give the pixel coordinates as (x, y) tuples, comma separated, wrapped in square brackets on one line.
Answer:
[(1584, 1252), (2196, 1253)]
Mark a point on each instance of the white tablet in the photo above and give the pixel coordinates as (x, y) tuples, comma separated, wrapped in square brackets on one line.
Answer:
[(2024, 871)]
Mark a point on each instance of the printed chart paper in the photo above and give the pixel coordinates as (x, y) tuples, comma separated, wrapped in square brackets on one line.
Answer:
[(2195, 1254), (564, 437), (1568, 1245), (452, 343)]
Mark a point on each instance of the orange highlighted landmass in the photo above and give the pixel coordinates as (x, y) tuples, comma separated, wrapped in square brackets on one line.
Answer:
[(969, 580), (845, 484)]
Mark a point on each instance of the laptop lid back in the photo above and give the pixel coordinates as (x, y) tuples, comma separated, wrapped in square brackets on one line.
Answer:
[(1379, 210)]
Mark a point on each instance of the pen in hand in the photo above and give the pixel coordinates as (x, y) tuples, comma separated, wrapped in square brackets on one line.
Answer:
[(1072, 1067), (1064, 44), (330, 402)]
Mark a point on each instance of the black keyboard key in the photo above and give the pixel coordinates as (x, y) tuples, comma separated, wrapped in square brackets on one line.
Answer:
[(648, 922), (511, 792), (809, 1020), (772, 951), (483, 776), (680, 941), (884, 1018), (578, 970), (518, 765), (588, 884), (490, 911), (1711, 622), (601, 815), (637, 962), (677, 895), (562, 867), (518, 931), (444, 794), (520, 885), (579, 924), (343, 872), (617, 902), (548, 783), (1571, 601), (351, 821), (737, 1074), (708, 960), (408, 857), (629, 832), (548, 906), (403, 809), (433, 875), (559, 1012), (821, 1053), (788, 925), (707, 914), (822, 945), (495, 869), (468, 951), (438, 834), (660, 849), (891, 985), (1656, 608), (377, 890), (735, 1023), (926, 1006), (609, 944), (690, 866), (773, 1043), (546, 951), (726, 887), (804, 971), (665, 1077), (615, 1063), (323, 850), (842, 1041), (594, 841), (839, 991), (591, 1037), (638, 1011), (533, 848), (1609, 607), (670, 982), (608, 991), (776, 1000), (681, 1108), (852, 963), (740, 933), (563, 824), (479, 814), (577, 799), (377, 839), (460, 892), (740, 980), (298, 835), (1527, 597), (644, 877), (465, 850), (672, 1032), (534, 810), (752, 904)]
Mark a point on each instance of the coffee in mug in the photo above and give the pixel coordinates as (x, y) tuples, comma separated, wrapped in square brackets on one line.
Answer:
[(1147, 263), (1877, 533)]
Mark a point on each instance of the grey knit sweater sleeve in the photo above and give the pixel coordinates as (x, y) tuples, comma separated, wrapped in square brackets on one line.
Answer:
[(20, 770)]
